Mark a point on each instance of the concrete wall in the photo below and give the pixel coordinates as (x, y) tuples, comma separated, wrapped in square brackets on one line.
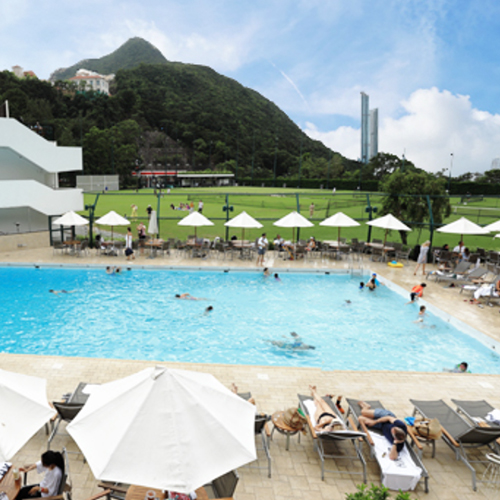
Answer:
[(29, 220), (16, 242), (37, 150)]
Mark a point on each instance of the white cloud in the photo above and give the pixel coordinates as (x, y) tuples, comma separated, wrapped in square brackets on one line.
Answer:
[(434, 125)]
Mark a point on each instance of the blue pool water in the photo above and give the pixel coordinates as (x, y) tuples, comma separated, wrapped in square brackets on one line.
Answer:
[(135, 316)]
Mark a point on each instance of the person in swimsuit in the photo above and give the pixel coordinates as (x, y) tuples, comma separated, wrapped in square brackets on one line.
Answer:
[(295, 345), (57, 292), (326, 420), (186, 296)]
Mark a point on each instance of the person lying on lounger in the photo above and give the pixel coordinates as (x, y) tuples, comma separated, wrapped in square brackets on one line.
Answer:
[(384, 420), (325, 418), (296, 344)]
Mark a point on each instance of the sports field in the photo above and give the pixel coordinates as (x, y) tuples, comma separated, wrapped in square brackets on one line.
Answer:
[(269, 204)]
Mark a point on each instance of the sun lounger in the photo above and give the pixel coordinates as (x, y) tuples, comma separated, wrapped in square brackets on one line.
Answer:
[(327, 443), (403, 473), (458, 433), (262, 430), (476, 412), (460, 269)]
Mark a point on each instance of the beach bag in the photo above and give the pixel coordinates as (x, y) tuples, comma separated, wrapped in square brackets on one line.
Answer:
[(428, 429), (293, 419)]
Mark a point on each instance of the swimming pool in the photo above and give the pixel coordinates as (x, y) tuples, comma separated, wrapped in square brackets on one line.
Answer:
[(135, 316)]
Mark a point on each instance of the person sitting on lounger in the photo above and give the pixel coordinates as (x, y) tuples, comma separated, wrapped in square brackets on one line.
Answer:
[(296, 344), (385, 421), (234, 388), (487, 290), (325, 418)]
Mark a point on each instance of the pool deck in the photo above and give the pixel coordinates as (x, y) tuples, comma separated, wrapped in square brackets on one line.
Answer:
[(296, 473)]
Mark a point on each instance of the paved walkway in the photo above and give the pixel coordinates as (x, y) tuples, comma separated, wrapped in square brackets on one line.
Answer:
[(296, 473)]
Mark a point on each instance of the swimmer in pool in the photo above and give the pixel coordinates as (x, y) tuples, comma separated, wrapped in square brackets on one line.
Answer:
[(186, 296), (277, 277), (296, 344), (208, 310), (421, 315), (57, 292), (266, 272)]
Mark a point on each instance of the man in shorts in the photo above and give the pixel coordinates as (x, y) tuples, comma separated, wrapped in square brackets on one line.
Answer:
[(261, 249), (385, 421)]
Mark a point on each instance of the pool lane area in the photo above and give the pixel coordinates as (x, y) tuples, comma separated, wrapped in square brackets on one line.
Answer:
[(135, 315)]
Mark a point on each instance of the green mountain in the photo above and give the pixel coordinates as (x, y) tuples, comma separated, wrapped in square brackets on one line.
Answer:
[(132, 53)]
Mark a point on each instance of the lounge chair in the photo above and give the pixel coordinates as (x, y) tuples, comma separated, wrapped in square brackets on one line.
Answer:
[(460, 270), (404, 473), (326, 443), (475, 411), (458, 433), (261, 430)]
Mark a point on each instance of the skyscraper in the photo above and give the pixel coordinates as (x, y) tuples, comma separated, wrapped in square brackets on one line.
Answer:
[(365, 127), (369, 130)]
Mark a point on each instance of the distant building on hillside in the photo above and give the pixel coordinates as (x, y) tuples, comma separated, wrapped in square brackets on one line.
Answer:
[(20, 73), (90, 80), (369, 130)]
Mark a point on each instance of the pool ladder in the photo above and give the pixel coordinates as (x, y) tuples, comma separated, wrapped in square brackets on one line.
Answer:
[(355, 266)]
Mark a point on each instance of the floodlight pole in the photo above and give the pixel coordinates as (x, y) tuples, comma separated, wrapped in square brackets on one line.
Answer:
[(91, 209), (449, 175), (275, 160)]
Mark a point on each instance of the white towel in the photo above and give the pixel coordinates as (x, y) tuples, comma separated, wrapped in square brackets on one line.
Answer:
[(401, 474), (493, 417)]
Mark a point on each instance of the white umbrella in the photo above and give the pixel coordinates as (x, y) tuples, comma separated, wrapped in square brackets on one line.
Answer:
[(497, 236), (339, 220), (23, 410), (494, 226), (70, 219), (462, 226), (166, 429), (244, 221), (153, 223), (195, 219), (112, 219), (293, 220), (389, 222)]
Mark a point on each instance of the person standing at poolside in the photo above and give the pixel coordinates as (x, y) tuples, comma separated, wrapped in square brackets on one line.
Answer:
[(422, 257), (129, 252), (141, 232), (261, 249)]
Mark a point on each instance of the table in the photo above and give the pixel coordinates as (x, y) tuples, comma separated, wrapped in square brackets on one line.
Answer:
[(139, 493), (9, 486), (380, 246), (282, 428), (335, 244), (154, 245)]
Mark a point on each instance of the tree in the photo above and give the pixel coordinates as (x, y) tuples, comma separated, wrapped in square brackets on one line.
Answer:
[(490, 176), (384, 164), (408, 195)]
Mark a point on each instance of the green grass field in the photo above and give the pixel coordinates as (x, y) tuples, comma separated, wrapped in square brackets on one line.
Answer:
[(269, 204)]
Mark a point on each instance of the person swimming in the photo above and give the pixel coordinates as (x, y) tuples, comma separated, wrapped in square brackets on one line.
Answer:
[(187, 296), (57, 292), (296, 344), (208, 310)]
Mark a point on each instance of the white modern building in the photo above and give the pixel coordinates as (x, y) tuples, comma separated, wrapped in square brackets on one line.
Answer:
[(91, 80), (29, 179)]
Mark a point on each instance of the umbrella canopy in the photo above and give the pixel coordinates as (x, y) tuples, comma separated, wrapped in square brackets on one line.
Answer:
[(70, 219), (293, 220), (463, 226), (339, 220), (494, 226), (112, 219), (153, 223), (497, 236), (23, 410), (166, 429), (389, 222), (195, 219), (244, 221)]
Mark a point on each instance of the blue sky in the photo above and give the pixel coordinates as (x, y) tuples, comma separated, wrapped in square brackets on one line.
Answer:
[(431, 67)]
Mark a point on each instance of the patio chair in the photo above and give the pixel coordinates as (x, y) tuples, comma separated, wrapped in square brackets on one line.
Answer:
[(327, 443), (403, 254), (458, 433), (223, 486), (406, 467), (66, 412), (377, 255), (475, 411), (117, 491)]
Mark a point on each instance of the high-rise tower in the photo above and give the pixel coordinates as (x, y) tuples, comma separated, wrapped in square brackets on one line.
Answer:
[(369, 130)]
